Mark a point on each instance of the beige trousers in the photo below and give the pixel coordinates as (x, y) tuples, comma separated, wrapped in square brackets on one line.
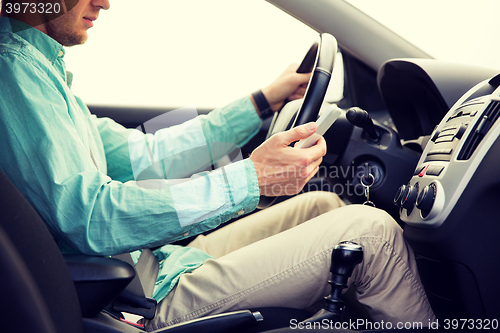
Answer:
[(280, 257)]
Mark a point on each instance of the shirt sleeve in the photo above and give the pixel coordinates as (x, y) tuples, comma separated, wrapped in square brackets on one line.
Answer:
[(50, 153), (178, 143)]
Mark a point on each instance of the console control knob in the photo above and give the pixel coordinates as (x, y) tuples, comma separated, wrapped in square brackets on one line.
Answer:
[(425, 199), (409, 197), (399, 195)]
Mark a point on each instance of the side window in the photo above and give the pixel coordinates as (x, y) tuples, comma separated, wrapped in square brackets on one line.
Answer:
[(194, 52)]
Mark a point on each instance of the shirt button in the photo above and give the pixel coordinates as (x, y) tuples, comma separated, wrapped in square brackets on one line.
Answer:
[(186, 234), (61, 53), (241, 212)]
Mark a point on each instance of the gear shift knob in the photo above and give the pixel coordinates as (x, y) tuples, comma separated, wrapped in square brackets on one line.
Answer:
[(345, 257)]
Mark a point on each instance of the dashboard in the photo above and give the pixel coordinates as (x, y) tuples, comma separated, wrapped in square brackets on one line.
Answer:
[(451, 158), (450, 204)]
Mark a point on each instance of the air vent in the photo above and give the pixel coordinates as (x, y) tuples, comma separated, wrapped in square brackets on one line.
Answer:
[(482, 127)]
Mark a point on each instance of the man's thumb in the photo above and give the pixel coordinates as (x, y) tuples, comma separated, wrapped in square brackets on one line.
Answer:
[(300, 132)]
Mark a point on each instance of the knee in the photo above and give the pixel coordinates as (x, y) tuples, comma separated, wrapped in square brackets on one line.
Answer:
[(371, 222), (378, 217), (357, 223)]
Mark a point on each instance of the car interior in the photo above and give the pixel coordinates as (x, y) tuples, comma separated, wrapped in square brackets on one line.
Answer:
[(419, 133)]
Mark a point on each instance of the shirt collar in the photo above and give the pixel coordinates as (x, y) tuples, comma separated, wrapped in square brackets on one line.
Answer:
[(45, 44)]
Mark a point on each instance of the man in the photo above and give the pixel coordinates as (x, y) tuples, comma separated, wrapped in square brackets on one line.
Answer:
[(82, 175)]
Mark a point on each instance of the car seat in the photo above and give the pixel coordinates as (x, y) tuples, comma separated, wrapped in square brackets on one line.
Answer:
[(39, 294)]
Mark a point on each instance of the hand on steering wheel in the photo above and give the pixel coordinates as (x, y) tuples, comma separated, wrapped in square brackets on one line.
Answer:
[(289, 86), (319, 60)]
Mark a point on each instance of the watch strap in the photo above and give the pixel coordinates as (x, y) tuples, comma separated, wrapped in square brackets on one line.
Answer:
[(262, 104)]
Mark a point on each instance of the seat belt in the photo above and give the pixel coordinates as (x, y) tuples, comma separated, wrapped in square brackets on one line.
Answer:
[(147, 267), (136, 298)]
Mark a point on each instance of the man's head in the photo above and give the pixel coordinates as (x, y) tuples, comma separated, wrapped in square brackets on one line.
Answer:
[(65, 21), (71, 28)]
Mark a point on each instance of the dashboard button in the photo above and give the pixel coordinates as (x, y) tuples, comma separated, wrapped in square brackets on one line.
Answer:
[(440, 151), (445, 133), (439, 155), (424, 169), (447, 138), (434, 170), (449, 128)]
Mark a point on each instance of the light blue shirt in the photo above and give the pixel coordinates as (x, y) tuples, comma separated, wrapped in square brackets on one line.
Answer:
[(103, 189)]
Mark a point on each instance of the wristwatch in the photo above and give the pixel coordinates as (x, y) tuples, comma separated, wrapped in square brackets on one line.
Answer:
[(262, 104)]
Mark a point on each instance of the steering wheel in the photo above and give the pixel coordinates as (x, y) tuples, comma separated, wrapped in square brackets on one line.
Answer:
[(319, 60)]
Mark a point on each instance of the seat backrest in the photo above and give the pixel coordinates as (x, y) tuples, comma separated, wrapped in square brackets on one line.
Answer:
[(20, 295), (39, 253)]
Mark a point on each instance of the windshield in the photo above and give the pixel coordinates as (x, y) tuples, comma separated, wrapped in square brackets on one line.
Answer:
[(460, 31)]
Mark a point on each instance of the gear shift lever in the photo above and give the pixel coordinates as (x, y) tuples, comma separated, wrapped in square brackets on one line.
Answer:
[(345, 256)]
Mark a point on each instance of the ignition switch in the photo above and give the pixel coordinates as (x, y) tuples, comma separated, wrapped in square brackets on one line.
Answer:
[(370, 172)]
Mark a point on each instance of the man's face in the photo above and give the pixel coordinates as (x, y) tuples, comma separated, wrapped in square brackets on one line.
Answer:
[(71, 28)]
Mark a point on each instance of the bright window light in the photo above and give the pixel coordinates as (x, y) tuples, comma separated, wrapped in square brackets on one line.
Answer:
[(190, 52), (451, 30)]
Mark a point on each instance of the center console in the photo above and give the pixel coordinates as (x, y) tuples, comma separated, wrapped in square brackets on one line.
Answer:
[(451, 207)]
